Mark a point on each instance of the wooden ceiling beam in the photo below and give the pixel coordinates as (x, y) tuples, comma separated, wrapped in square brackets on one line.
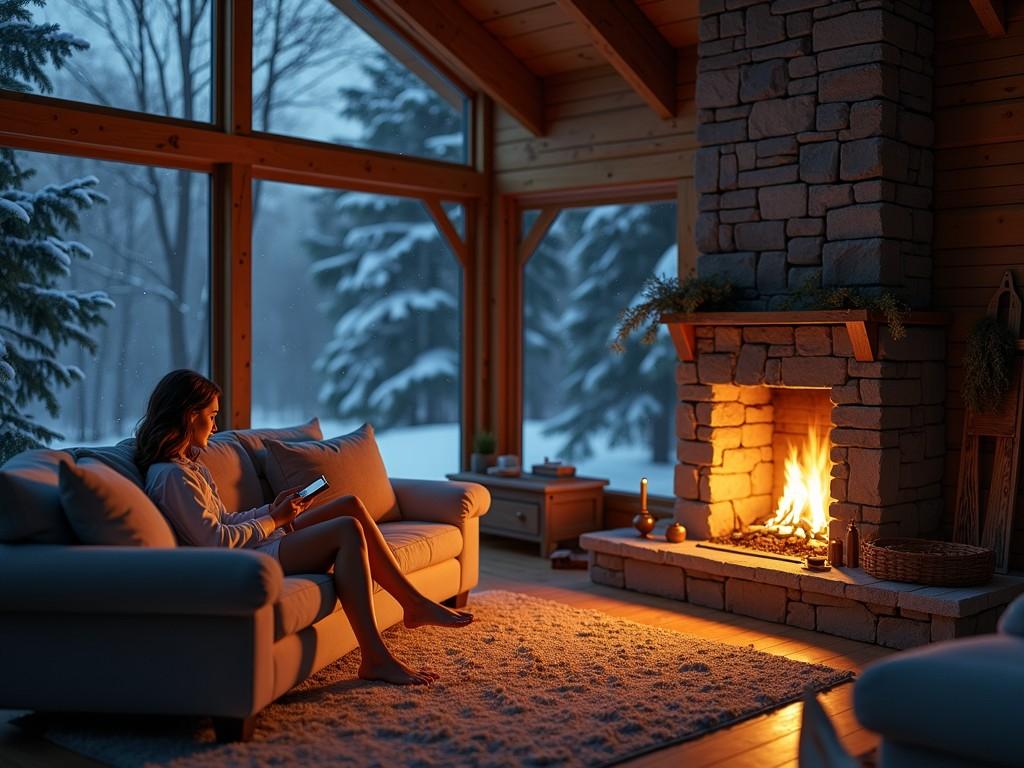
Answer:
[(452, 32), (633, 46), (992, 15)]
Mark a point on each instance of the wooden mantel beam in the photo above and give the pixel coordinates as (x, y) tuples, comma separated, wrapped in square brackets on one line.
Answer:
[(992, 14), (452, 32), (633, 46)]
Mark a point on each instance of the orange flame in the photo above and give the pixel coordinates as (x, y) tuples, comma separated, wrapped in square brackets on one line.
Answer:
[(803, 507)]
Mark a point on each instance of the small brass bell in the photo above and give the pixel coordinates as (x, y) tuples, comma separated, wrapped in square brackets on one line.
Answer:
[(676, 532), (644, 522)]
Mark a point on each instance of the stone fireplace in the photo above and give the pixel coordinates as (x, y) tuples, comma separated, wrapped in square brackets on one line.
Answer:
[(814, 172), (752, 389)]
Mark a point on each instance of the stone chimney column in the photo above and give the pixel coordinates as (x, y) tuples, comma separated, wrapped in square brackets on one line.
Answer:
[(815, 126)]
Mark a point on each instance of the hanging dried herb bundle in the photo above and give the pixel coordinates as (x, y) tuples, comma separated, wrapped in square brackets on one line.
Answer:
[(666, 295), (987, 365)]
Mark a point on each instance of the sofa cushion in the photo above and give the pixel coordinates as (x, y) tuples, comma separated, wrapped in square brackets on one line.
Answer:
[(121, 457), (30, 508), (106, 508), (234, 473), (308, 598), (304, 600), (253, 439), (417, 545), (351, 463)]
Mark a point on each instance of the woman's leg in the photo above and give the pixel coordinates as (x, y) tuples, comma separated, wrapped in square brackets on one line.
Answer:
[(384, 568), (340, 542)]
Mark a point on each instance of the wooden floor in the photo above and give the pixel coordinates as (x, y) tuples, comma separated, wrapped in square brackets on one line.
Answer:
[(768, 741)]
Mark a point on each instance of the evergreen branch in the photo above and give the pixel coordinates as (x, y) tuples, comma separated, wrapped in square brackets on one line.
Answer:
[(667, 295), (895, 311)]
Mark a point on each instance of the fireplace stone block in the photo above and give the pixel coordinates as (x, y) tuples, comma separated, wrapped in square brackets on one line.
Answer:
[(824, 112)]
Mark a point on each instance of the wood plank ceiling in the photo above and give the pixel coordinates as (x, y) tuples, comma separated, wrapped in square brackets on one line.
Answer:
[(508, 48), (545, 37)]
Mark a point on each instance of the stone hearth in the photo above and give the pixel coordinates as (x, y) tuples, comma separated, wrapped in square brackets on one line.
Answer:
[(844, 601)]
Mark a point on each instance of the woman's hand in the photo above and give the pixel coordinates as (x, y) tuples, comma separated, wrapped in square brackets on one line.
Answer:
[(287, 506)]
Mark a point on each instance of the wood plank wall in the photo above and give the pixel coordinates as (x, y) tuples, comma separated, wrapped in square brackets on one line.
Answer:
[(599, 132), (979, 193)]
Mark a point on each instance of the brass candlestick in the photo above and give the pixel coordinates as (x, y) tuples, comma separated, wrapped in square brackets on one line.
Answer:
[(644, 522)]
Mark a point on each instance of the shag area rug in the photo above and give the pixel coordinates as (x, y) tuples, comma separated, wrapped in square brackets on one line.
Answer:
[(530, 683)]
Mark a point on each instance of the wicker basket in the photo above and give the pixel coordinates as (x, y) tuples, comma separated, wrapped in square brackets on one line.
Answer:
[(921, 561)]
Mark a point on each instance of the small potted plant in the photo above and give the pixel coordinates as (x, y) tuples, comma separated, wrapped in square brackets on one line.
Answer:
[(484, 452)]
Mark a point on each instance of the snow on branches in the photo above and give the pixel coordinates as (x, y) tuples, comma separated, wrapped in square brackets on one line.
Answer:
[(38, 314)]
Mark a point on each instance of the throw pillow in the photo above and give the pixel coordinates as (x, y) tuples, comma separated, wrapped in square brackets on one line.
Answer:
[(232, 470), (30, 499), (351, 463), (121, 457), (104, 507), (252, 439)]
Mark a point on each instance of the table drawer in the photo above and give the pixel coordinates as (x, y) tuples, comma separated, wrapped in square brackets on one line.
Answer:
[(508, 515)]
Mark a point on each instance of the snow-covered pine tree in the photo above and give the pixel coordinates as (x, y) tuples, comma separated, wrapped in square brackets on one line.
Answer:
[(37, 316), (629, 396), (394, 285)]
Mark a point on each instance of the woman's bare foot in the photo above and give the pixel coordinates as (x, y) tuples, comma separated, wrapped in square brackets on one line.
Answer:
[(429, 612), (391, 670)]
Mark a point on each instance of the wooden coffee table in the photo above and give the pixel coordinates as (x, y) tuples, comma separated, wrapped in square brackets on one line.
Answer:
[(538, 508)]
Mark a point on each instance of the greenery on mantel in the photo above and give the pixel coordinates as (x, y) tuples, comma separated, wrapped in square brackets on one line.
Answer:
[(988, 364), (666, 295), (895, 311)]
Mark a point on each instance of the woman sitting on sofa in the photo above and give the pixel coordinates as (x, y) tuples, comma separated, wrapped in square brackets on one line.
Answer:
[(178, 423)]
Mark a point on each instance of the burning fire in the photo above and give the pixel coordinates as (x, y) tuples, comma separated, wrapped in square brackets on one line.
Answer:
[(803, 507)]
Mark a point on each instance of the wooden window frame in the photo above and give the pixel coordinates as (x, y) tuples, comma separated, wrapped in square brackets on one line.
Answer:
[(515, 250), (234, 156)]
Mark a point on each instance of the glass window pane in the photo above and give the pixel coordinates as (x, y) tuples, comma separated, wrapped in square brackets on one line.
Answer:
[(346, 78), (142, 242), (366, 299), (610, 414), (146, 57)]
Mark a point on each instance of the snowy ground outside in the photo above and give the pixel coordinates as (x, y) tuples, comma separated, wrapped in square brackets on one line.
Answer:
[(432, 451)]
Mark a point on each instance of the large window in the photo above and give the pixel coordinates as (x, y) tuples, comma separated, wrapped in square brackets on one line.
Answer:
[(106, 288), (330, 71), (147, 57), (611, 414), (356, 317)]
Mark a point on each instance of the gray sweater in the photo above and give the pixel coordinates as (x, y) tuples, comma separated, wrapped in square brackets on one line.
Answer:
[(186, 494)]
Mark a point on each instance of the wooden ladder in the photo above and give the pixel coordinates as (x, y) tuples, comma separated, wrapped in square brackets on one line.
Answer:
[(1004, 426)]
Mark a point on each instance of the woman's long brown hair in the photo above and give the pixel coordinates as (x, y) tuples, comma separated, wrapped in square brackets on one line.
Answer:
[(163, 432)]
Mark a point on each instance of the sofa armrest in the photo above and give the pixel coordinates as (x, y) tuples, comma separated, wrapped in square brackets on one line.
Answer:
[(440, 501), (1012, 620), (125, 580)]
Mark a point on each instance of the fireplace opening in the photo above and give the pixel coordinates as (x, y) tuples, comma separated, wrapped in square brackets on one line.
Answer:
[(792, 520)]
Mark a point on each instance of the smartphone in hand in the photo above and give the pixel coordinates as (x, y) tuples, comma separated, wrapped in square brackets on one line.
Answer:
[(318, 486)]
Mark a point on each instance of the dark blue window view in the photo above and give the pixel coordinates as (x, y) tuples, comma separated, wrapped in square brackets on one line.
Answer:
[(610, 414), (366, 324)]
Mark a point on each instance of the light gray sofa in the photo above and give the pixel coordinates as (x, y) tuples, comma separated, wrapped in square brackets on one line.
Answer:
[(954, 704), (185, 630)]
